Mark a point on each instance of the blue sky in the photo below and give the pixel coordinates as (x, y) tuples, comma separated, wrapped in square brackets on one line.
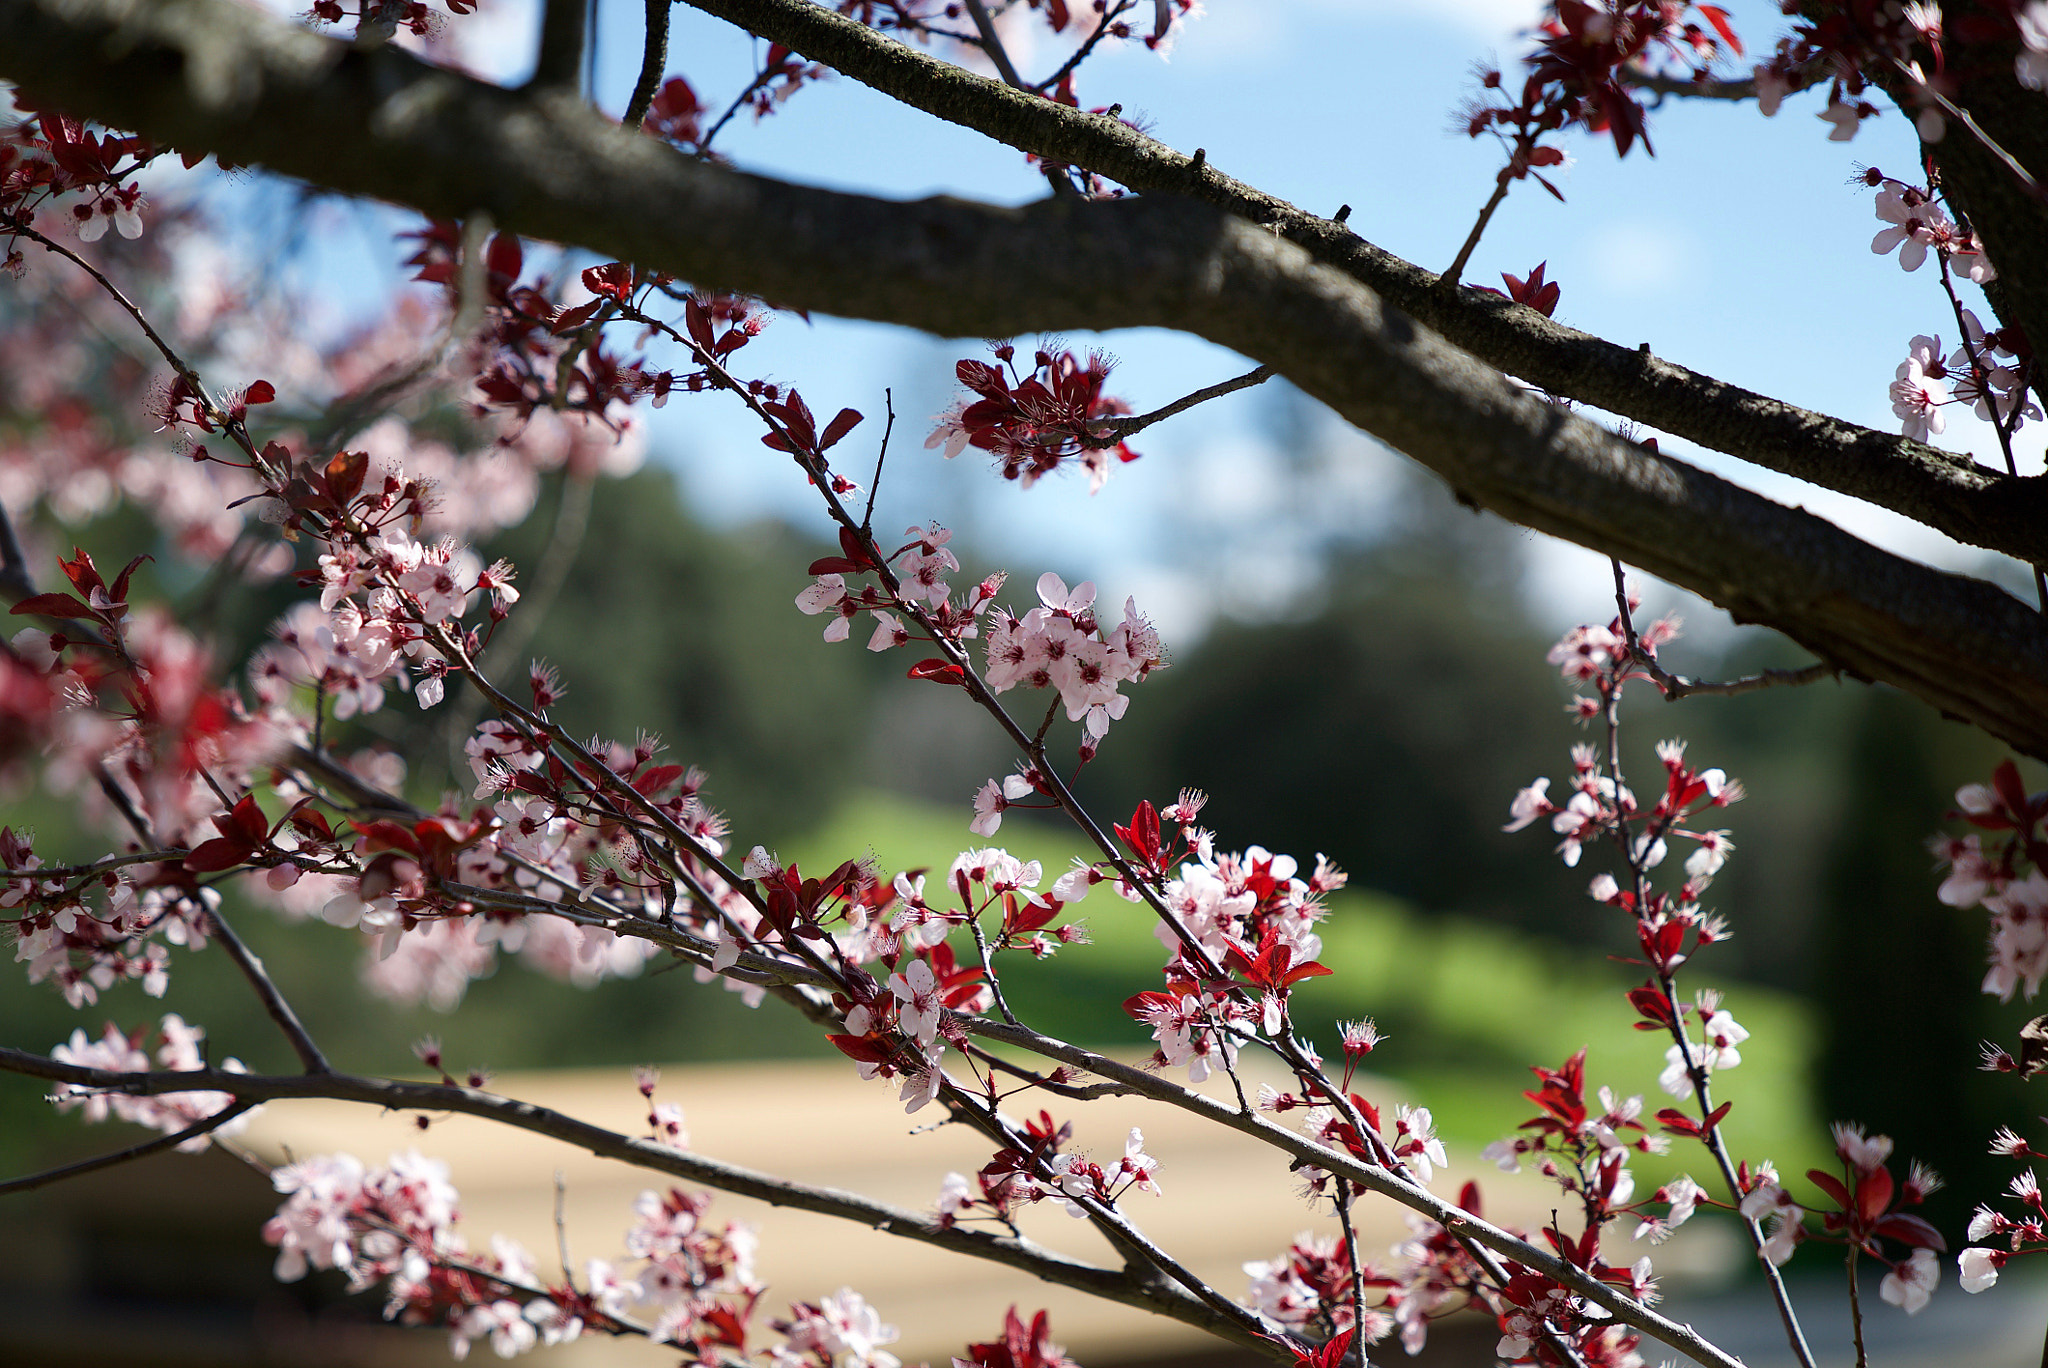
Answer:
[(1741, 249)]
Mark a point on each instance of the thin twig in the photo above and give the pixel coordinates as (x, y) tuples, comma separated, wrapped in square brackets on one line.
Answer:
[(1081, 54), (867, 517), (1637, 862), (1856, 1309), (1660, 84), (1677, 686), (571, 524), (2004, 427), (761, 78), (1115, 430), (234, 429), (992, 45), (204, 1126), (561, 1199), (267, 992), (1680, 686), (653, 57), (1954, 111), (86, 871), (1344, 1196), (1448, 281)]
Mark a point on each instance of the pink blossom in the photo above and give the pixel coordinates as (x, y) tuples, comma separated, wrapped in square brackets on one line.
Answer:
[(1529, 804), (1977, 1269), (1844, 118), (2030, 67), (2019, 936), (1866, 1153), (919, 1005), (1911, 1284), (1917, 398), (1917, 224), (889, 633), (1771, 89)]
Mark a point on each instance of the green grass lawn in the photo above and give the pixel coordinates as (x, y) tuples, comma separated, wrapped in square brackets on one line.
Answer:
[(1467, 1006)]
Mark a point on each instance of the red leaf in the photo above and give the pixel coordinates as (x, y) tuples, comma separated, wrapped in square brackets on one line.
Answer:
[(1142, 835), (845, 422), (1651, 1004), (1910, 1229), (52, 605), (657, 779), (85, 577), (569, 320), (1677, 1122), (1873, 1194), (613, 280), (313, 824), (345, 474), (222, 852), (2011, 791), (938, 670), (119, 593), (861, 1048), (505, 256), (1718, 17), (388, 835), (245, 821), (1831, 1185)]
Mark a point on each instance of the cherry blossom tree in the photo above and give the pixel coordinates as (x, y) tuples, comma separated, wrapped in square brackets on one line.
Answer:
[(593, 857)]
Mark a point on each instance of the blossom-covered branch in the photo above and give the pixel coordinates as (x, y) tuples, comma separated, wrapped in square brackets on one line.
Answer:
[(1146, 1293), (556, 169)]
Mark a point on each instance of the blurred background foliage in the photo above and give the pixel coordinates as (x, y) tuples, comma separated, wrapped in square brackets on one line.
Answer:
[(1385, 721)]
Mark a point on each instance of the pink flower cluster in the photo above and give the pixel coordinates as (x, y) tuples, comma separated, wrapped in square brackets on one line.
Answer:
[(692, 1281), (1863, 1208), (1246, 915), (2003, 879), (1061, 645), (178, 1050), (1979, 372)]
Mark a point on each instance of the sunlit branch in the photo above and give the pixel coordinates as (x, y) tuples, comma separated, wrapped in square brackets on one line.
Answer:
[(1113, 430), (1371, 1177), (204, 1126), (1947, 492), (1115, 1285), (551, 167), (653, 57)]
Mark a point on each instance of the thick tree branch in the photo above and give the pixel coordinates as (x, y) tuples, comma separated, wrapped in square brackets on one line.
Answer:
[(1949, 493), (564, 38), (1115, 1285), (205, 74)]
